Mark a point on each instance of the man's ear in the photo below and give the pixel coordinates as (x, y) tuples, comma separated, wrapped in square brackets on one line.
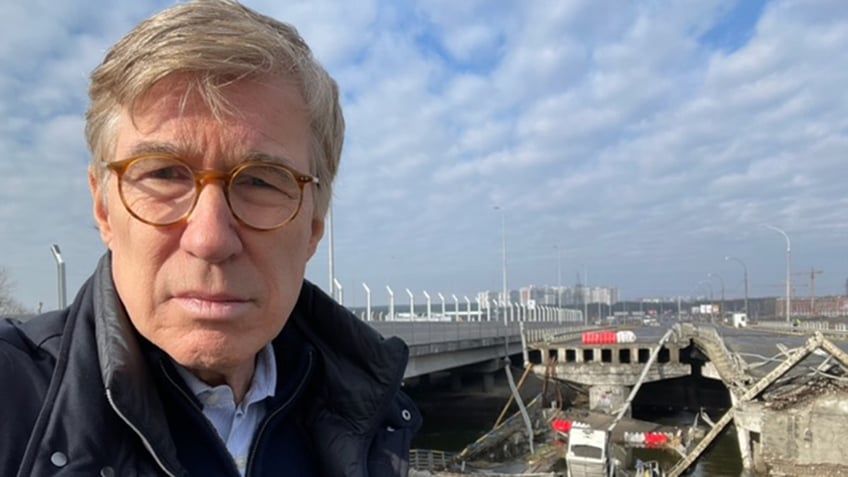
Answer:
[(100, 210), (317, 233)]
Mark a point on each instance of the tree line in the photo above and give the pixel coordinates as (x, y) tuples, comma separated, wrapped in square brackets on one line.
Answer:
[(8, 304)]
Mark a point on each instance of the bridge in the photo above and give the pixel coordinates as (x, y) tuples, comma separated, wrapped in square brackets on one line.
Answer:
[(477, 346), (787, 386)]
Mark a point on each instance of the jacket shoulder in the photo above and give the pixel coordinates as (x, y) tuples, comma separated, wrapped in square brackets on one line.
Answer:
[(26, 364), (37, 335)]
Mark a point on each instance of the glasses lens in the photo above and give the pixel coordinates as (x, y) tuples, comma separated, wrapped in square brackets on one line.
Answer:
[(264, 195), (159, 190)]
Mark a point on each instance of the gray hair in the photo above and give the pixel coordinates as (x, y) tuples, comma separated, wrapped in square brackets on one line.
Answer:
[(213, 43)]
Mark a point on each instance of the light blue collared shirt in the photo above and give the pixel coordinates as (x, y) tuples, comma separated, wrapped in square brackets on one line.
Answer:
[(237, 424)]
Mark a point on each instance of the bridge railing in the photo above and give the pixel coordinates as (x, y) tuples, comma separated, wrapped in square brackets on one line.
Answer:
[(430, 459), (825, 327), (431, 332)]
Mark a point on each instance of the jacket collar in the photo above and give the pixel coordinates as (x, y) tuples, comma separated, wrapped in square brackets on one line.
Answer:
[(130, 388), (362, 371), (359, 374)]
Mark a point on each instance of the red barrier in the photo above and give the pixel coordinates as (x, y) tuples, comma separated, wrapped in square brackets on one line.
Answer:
[(599, 337), (561, 425), (655, 439)]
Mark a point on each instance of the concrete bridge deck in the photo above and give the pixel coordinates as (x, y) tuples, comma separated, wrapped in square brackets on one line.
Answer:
[(787, 386)]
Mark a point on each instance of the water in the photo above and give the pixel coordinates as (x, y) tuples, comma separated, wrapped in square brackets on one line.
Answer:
[(722, 458), (455, 419)]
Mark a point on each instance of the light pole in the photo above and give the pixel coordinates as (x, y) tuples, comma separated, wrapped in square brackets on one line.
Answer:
[(391, 303), (411, 304), (330, 252), (585, 292), (710, 285), (60, 274), (442, 298), (367, 301), (455, 307), (340, 290), (745, 270), (559, 275), (721, 306), (429, 308), (788, 271), (503, 249)]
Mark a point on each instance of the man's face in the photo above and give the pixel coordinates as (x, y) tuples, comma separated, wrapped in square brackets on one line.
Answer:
[(209, 291)]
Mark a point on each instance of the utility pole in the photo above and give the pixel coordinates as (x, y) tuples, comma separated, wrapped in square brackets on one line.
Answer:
[(505, 296), (813, 273), (331, 253), (745, 270), (788, 270), (559, 277), (60, 273)]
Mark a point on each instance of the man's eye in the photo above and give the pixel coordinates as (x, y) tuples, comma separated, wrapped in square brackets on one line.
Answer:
[(168, 173)]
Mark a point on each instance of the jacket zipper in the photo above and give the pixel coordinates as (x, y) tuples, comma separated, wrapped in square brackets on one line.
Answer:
[(139, 433), (193, 404), (258, 437)]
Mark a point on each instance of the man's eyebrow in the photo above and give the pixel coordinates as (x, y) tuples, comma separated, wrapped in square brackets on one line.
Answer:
[(169, 149), (264, 157), (153, 147)]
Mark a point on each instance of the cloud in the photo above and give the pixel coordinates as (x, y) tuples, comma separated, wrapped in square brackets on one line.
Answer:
[(648, 140)]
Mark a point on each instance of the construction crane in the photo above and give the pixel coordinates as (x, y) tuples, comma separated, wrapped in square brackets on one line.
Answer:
[(812, 274)]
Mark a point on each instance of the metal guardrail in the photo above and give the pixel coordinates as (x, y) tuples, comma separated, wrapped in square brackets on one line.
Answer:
[(416, 333), (835, 330), (430, 459)]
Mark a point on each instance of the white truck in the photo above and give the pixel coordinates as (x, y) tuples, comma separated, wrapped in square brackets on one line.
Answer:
[(739, 320), (588, 453)]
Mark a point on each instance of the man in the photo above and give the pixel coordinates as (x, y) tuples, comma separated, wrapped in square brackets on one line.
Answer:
[(196, 347)]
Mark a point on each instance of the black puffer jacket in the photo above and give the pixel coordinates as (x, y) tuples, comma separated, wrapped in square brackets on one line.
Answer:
[(81, 394)]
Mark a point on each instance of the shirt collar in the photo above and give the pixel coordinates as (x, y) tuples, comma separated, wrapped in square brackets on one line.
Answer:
[(262, 384)]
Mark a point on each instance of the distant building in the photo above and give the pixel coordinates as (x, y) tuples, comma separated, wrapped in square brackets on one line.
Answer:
[(567, 296), (825, 306)]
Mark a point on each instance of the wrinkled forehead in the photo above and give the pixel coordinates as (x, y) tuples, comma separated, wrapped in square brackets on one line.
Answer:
[(187, 94), (237, 118)]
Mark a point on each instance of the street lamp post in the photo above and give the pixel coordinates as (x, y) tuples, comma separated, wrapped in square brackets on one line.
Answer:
[(60, 275), (559, 276), (331, 253), (411, 304), (788, 271), (585, 292), (745, 270), (367, 301), (391, 303), (721, 305), (505, 295), (455, 307), (442, 298), (710, 285), (429, 307), (339, 291)]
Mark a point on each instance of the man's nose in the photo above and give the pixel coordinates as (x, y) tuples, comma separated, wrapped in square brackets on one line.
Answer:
[(211, 231)]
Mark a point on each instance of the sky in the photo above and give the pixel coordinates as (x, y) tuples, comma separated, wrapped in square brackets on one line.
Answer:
[(635, 144)]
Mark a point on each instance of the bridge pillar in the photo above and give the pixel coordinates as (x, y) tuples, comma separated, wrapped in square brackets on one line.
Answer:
[(456, 381), (742, 436), (488, 382), (608, 398)]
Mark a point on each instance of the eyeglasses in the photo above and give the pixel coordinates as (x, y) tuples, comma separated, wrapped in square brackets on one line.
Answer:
[(163, 190)]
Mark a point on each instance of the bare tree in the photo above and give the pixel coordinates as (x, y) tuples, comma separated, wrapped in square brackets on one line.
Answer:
[(8, 304)]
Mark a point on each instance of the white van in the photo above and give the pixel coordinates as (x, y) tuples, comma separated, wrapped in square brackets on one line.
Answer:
[(588, 453), (740, 320)]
